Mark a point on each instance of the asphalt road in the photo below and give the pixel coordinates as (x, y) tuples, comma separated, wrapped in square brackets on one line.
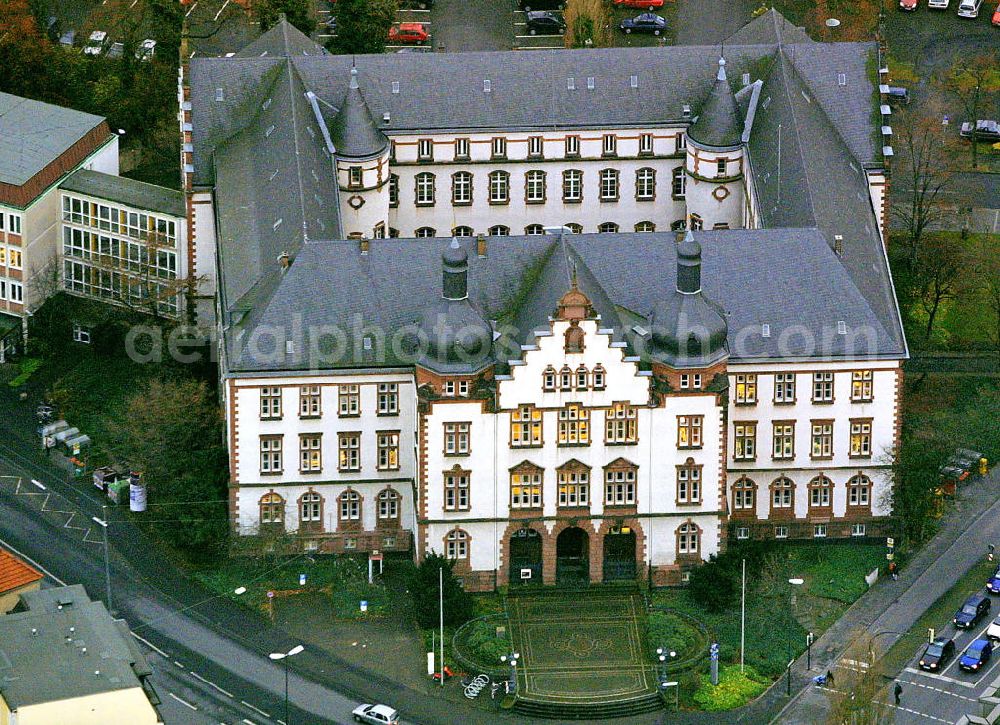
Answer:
[(710, 22), (469, 25)]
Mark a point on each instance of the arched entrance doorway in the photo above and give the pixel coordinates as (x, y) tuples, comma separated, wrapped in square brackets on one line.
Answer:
[(525, 557), (619, 554), (572, 556)]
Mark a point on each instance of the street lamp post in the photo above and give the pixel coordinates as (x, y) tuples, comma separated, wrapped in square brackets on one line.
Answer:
[(661, 656), (512, 659), (795, 581), (284, 656)]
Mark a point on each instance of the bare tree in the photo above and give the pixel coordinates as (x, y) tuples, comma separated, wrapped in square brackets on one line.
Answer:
[(940, 274), (923, 168), (975, 80), (985, 264), (859, 695)]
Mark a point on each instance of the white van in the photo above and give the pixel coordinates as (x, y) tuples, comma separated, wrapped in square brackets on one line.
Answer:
[(937, 4), (969, 8)]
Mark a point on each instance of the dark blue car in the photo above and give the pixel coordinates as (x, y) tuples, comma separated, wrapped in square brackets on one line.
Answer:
[(976, 655), (993, 583), (645, 23), (974, 609)]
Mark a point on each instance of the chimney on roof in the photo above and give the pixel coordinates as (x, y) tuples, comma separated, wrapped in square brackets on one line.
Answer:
[(838, 244), (689, 266), (455, 262), (364, 245), (686, 111), (284, 260), (481, 246)]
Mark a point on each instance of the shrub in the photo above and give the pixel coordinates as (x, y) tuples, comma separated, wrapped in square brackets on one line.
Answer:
[(735, 689), (713, 584), (484, 643)]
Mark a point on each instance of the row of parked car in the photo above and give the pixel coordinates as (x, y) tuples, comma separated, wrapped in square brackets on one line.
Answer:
[(966, 8), (938, 653), (100, 44)]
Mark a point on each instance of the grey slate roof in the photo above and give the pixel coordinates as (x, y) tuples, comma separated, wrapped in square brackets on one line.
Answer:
[(136, 194), (353, 130), (33, 134), (45, 667), (718, 124), (333, 295)]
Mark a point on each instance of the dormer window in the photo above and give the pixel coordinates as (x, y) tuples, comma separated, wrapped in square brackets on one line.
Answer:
[(549, 379), (565, 378), (581, 377), (646, 143), (599, 377), (499, 147), (609, 145), (574, 338), (461, 148), (425, 149), (535, 146)]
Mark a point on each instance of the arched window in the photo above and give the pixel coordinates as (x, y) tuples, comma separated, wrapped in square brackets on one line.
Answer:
[(549, 379), (388, 504), (534, 187), (581, 377), (499, 231), (645, 227), (350, 506), (499, 187), (820, 492), (688, 539), (534, 229), (608, 228), (574, 484), (744, 494), (423, 232), (424, 189), (310, 507), (859, 491), (461, 188), (783, 493), (565, 378), (574, 338), (599, 377), (462, 232), (272, 509), (574, 228), (456, 544)]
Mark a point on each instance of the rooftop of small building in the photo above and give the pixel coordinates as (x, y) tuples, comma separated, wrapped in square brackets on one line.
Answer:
[(33, 134), (64, 646), (15, 573), (127, 192)]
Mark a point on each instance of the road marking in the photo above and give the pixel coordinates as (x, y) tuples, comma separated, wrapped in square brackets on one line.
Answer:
[(255, 709), (34, 563), (249, 722), (99, 521), (940, 677), (150, 645), (180, 665), (996, 220), (937, 689), (889, 704), (211, 684), (191, 9), (39, 484), (183, 701), (221, 9)]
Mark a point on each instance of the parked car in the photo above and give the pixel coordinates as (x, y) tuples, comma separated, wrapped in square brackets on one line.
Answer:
[(376, 715), (993, 631), (898, 94), (541, 4), (542, 22), (95, 43), (993, 583), (146, 50), (937, 4), (641, 4), (969, 8), (975, 608), (908, 5), (645, 23), (996, 16), (421, 4), (976, 655), (985, 130), (937, 654), (408, 33)]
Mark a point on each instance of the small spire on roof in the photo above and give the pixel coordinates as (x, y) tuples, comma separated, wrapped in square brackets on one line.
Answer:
[(354, 77), (573, 277), (722, 69), (689, 237)]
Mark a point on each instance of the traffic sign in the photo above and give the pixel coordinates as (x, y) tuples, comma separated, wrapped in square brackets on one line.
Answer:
[(270, 595), (375, 555), (890, 541)]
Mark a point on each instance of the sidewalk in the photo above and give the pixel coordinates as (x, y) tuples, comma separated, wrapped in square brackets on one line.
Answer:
[(895, 606)]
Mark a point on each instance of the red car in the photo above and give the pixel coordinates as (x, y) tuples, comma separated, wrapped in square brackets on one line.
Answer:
[(996, 17), (641, 4), (908, 5), (408, 33)]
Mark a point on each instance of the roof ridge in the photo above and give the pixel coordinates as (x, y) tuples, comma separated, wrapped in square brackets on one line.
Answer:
[(795, 119), (292, 75)]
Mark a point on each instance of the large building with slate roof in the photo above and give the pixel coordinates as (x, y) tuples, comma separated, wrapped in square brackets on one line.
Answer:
[(69, 222), (640, 303)]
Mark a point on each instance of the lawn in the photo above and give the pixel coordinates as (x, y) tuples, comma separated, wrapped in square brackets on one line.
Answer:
[(958, 409), (833, 577)]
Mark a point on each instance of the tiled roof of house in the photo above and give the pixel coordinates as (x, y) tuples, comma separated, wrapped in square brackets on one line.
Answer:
[(14, 573)]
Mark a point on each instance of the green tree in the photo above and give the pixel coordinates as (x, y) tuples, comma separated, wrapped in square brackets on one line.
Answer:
[(713, 585), (916, 479), (425, 593), (299, 13), (363, 26), (172, 433)]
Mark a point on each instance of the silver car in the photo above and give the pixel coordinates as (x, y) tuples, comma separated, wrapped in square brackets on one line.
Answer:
[(376, 714)]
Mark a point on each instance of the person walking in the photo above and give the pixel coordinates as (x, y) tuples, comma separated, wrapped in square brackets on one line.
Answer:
[(897, 691), (892, 570), (829, 678)]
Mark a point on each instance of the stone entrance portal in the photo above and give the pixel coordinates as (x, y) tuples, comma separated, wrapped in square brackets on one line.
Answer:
[(526, 557), (572, 556)]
